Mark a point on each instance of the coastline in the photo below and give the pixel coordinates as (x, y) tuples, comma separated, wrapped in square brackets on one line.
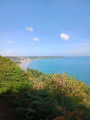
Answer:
[(24, 62)]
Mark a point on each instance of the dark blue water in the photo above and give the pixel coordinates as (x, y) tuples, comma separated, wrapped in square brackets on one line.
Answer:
[(79, 67)]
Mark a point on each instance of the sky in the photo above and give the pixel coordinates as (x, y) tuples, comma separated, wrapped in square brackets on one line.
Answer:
[(45, 27)]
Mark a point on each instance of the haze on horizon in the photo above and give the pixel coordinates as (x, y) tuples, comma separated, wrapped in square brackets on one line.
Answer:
[(45, 28)]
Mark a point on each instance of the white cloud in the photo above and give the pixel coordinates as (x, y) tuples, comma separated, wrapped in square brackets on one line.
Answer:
[(6, 53), (10, 42), (64, 36), (30, 29), (36, 39)]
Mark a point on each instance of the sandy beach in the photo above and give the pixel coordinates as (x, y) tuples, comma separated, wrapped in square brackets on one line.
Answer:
[(24, 62)]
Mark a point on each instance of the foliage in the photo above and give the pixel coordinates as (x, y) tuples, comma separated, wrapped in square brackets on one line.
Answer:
[(33, 95)]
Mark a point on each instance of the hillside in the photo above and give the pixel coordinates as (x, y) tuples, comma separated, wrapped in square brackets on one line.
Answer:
[(32, 95)]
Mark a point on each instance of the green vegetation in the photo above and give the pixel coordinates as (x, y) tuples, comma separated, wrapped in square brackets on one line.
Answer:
[(33, 95)]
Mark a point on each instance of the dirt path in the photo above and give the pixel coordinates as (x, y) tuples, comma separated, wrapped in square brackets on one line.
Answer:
[(5, 112)]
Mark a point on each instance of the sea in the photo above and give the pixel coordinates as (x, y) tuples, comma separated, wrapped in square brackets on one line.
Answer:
[(79, 67)]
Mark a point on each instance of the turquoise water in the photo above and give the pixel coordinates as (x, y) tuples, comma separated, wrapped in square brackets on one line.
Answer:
[(76, 66)]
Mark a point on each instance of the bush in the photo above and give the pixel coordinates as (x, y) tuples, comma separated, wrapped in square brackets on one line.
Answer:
[(33, 95)]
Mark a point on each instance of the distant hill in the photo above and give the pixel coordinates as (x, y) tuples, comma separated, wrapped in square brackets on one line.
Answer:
[(17, 59)]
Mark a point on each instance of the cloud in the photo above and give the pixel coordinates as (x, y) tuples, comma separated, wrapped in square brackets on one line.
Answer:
[(36, 39), (64, 36), (30, 29), (10, 42), (6, 53)]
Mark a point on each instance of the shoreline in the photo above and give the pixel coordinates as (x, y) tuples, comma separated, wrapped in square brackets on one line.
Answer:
[(24, 62)]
